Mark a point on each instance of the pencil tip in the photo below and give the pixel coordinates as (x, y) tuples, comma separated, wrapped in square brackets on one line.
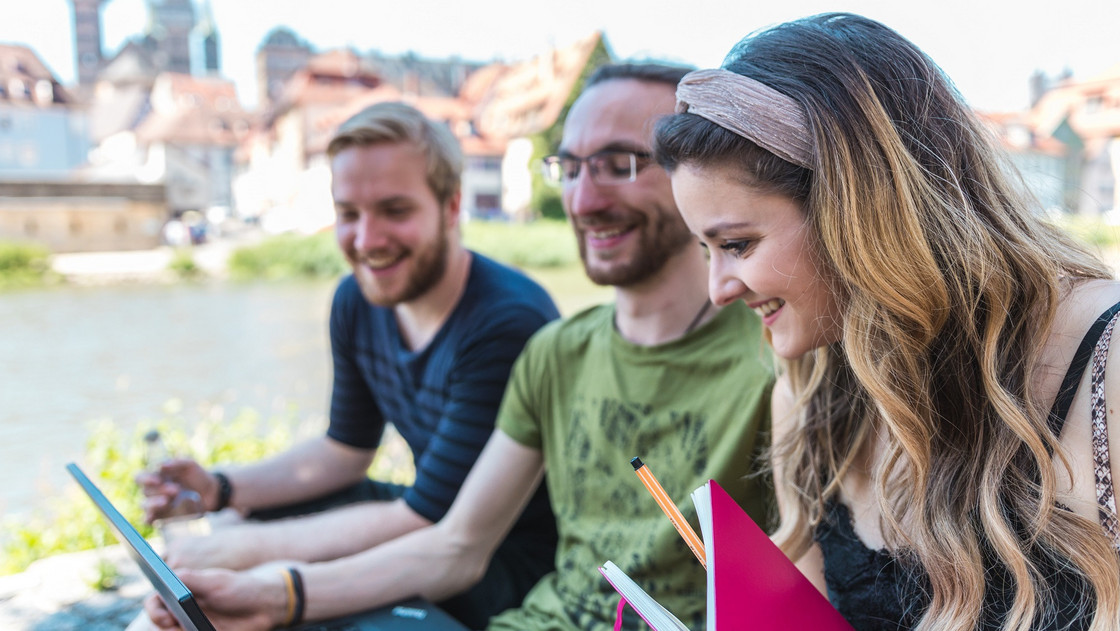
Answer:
[(636, 463)]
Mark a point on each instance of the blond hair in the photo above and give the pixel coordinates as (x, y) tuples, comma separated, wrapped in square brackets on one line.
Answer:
[(401, 123)]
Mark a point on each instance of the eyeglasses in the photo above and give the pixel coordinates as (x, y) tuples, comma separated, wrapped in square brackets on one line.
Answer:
[(608, 168)]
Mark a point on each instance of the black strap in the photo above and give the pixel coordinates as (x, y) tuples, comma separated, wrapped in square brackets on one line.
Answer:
[(1081, 359)]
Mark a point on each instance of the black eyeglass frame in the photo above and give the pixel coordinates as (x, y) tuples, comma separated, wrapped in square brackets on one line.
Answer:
[(555, 168)]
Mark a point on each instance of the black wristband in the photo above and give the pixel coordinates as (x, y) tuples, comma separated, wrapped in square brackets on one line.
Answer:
[(297, 587), (225, 490)]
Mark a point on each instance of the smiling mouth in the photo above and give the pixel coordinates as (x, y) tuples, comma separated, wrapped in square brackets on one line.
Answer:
[(378, 263), (770, 307), (606, 237), (606, 234)]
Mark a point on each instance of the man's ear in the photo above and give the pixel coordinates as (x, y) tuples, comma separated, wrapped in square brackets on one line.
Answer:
[(453, 208)]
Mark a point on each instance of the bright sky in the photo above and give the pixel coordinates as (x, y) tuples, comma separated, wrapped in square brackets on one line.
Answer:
[(988, 47)]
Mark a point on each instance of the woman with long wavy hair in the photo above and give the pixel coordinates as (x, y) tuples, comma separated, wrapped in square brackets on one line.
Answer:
[(940, 449)]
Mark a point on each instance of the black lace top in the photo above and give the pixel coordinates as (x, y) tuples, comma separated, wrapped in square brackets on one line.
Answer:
[(875, 590)]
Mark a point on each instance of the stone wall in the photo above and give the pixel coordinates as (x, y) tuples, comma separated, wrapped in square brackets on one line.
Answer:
[(83, 217)]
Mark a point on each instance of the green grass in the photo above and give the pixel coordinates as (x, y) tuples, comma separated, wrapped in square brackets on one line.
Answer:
[(540, 244), (24, 264), (289, 256), (182, 263)]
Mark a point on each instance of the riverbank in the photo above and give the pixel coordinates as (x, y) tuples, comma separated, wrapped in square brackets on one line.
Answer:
[(145, 266)]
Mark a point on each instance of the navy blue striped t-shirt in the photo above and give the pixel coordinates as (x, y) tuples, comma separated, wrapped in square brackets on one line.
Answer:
[(444, 398)]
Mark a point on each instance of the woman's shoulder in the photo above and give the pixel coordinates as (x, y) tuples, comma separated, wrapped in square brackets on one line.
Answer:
[(1088, 435), (1088, 299), (1078, 308)]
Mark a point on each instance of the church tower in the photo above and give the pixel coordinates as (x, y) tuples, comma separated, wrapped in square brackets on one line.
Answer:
[(87, 40), (169, 30), (205, 38)]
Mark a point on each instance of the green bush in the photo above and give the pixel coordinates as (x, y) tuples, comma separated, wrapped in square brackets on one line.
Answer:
[(540, 244), (289, 256), (183, 264), (536, 244), (545, 198), (23, 264), (69, 523)]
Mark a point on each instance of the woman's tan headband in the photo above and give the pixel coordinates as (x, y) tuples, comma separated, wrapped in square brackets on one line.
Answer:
[(751, 109)]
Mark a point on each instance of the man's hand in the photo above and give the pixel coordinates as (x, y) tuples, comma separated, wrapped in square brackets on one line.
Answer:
[(233, 547), (253, 600), (174, 475)]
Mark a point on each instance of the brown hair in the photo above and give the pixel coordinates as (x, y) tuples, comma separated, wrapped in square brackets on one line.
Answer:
[(949, 279)]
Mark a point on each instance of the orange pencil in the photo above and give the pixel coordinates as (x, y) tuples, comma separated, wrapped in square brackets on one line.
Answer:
[(670, 509)]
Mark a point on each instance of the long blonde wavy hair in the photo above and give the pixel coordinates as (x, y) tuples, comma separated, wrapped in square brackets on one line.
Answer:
[(950, 283)]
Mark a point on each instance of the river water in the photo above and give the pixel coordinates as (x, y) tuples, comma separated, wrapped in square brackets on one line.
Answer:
[(72, 356)]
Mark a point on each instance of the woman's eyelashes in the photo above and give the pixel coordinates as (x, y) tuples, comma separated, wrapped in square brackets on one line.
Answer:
[(738, 248)]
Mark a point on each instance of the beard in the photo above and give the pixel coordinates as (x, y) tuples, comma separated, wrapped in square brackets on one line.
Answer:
[(429, 264), (659, 238)]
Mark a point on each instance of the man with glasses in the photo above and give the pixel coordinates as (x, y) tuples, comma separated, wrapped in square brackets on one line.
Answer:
[(660, 374)]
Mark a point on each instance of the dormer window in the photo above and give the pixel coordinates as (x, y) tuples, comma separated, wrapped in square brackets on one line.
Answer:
[(44, 92), (17, 88), (1093, 104)]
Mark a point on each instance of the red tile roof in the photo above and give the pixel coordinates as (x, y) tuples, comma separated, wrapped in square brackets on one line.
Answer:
[(190, 110), (528, 97)]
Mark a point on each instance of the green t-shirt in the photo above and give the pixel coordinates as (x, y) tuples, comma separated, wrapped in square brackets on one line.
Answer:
[(692, 410)]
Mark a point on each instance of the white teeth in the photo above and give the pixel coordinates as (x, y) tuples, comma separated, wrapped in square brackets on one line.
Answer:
[(606, 234), (770, 307), (381, 262)]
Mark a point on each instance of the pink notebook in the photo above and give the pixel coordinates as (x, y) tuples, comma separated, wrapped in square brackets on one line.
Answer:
[(751, 583)]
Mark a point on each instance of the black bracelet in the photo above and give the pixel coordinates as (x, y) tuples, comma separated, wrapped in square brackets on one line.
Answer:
[(225, 490), (297, 586)]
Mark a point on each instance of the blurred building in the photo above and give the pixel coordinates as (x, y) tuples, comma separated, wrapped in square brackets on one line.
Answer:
[(280, 56), (186, 140), (168, 35), (525, 105), (87, 39), (175, 39), (1047, 165), (205, 45), (43, 133), (493, 110), (1067, 145), (44, 141), (284, 180), (156, 113), (69, 216), (417, 76), (1085, 115)]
